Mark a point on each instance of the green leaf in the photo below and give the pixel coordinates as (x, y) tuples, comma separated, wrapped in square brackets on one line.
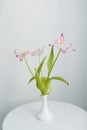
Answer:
[(60, 79), (40, 83), (30, 80), (40, 66), (51, 59)]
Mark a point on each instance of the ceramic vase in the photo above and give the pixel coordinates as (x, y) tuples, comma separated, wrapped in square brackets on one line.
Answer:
[(45, 113)]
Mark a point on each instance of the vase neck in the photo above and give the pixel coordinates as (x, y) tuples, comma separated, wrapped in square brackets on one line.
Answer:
[(44, 102), (44, 98)]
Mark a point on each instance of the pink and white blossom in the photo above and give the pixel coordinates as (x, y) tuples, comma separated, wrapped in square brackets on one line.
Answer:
[(60, 43), (64, 48), (61, 39), (20, 55), (37, 52)]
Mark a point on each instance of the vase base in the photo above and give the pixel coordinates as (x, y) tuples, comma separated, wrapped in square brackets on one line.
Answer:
[(44, 117)]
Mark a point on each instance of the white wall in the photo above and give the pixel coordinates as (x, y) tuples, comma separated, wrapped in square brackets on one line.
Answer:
[(31, 24)]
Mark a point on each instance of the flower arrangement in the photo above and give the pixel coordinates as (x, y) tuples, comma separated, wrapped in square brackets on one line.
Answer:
[(43, 83)]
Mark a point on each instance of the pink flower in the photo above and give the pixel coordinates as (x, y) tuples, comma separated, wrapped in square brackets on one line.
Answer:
[(64, 48), (54, 43), (61, 40), (33, 53), (38, 52), (20, 55), (58, 42)]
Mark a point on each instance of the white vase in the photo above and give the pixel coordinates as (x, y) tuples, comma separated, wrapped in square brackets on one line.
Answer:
[(44, 114)]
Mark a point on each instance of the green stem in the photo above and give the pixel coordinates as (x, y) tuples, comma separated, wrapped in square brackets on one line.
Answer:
[(28, 66), (54, 63), (39, 58)]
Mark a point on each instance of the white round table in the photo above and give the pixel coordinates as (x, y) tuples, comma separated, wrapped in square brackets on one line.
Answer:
[(65, 117)]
